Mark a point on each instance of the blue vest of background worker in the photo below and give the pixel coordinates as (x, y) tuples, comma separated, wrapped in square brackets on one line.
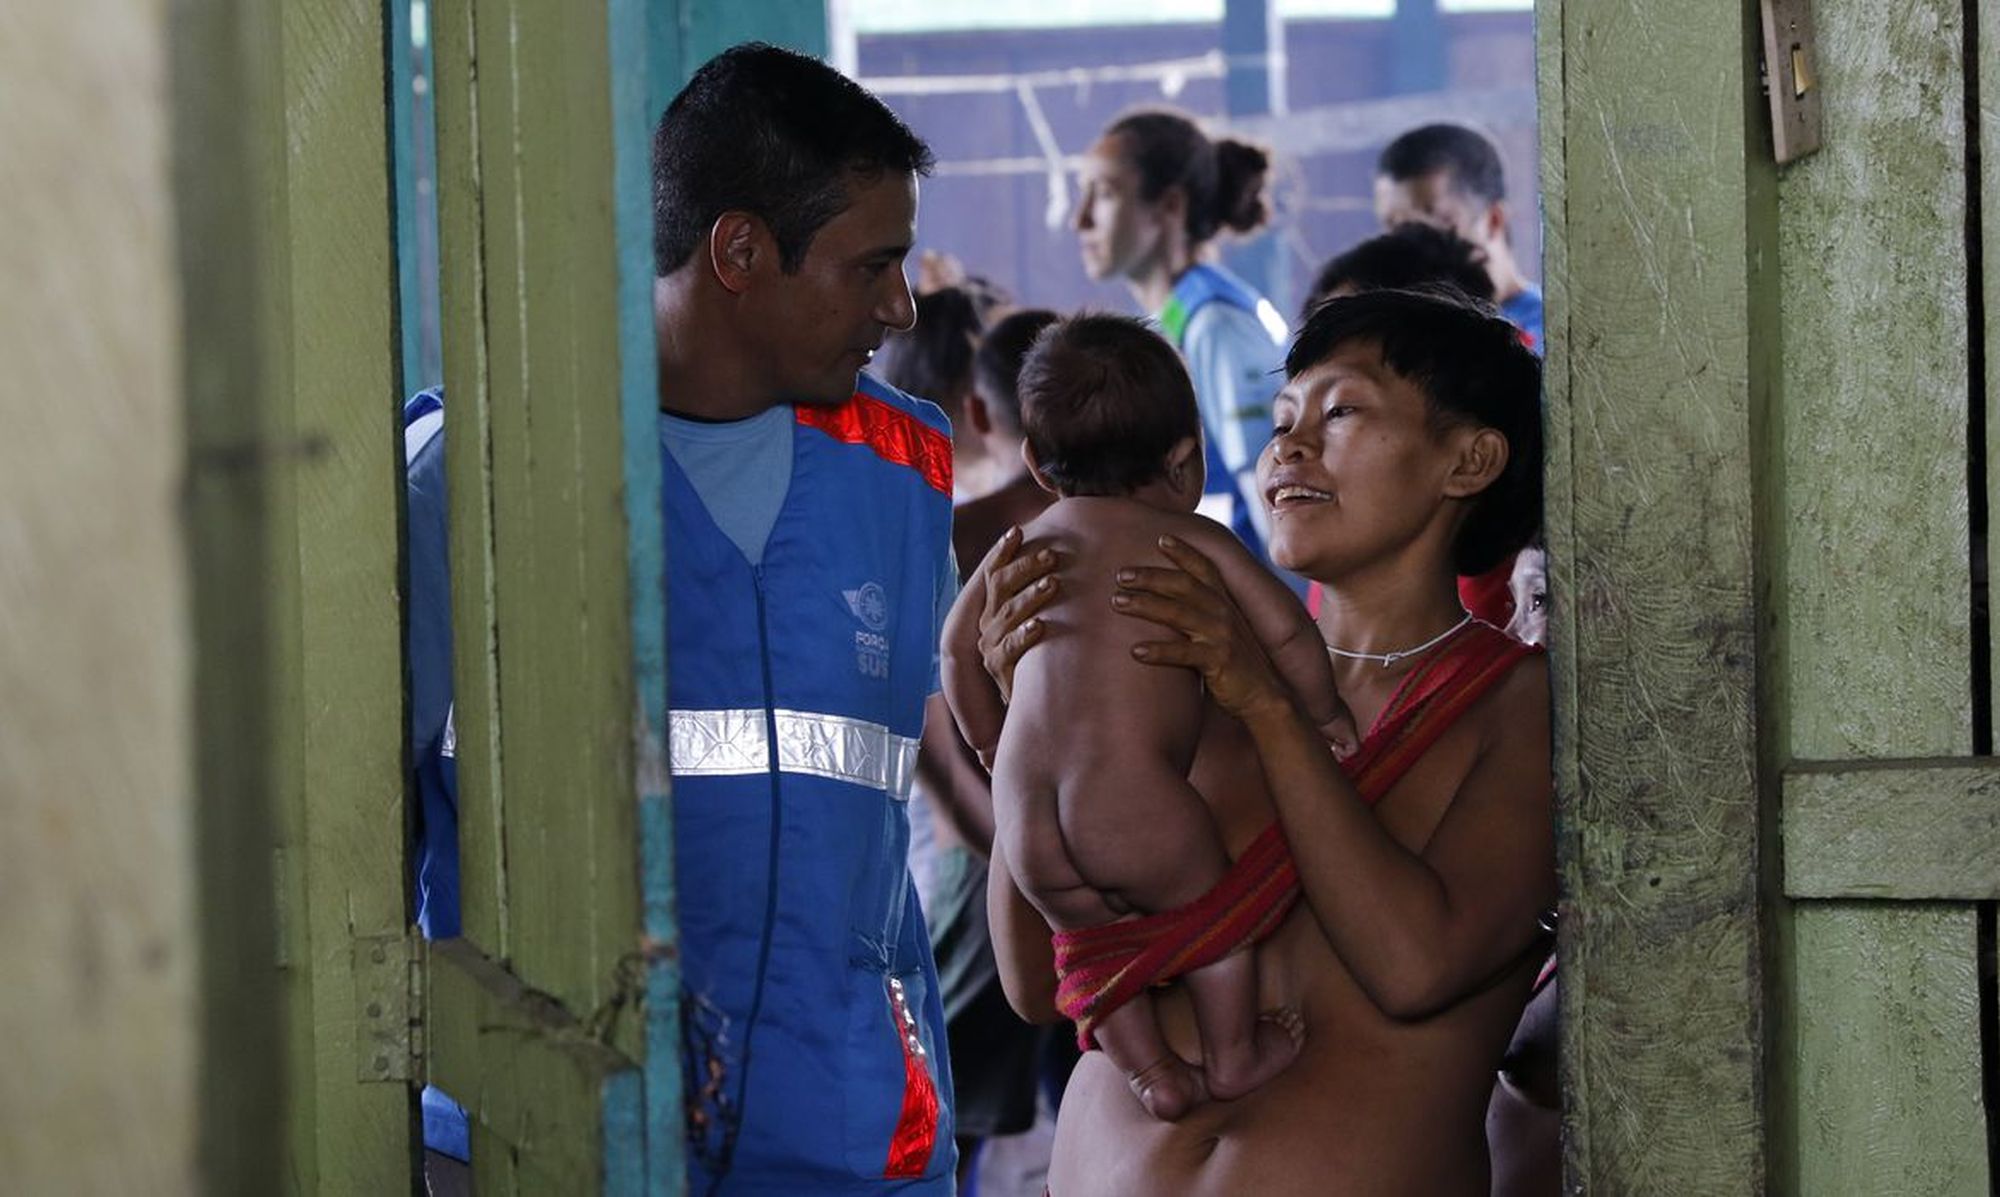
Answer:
[(808, 519), (1234, 342)]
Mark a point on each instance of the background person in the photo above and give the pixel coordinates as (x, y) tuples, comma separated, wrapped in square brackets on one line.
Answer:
[(1157, 193), (1450, 176)]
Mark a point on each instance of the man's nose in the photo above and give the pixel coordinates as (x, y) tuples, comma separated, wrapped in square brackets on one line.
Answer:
[(898, 311)]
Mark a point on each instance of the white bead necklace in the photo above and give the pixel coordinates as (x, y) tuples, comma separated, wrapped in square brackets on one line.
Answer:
[(1389, 659)]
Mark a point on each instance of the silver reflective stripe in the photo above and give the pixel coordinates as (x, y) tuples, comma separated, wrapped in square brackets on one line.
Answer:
[(732, 743)]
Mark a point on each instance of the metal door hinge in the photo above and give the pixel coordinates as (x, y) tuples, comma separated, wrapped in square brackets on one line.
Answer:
[(389, 1007), (1791, 77)]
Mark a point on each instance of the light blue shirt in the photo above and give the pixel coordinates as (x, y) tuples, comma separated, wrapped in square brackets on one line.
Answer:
[(742, 469), (1236, 360)]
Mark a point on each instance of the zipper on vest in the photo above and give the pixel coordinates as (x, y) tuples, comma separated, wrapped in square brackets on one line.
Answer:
[(771, 868)]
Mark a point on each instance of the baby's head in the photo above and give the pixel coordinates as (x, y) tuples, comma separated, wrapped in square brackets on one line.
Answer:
[(1107, 409)]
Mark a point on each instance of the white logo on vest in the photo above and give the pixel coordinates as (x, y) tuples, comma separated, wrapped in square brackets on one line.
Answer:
[(870, 605)]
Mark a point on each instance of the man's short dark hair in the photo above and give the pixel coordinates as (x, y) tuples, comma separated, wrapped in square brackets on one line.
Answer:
[(1409, 257), (773, 133), (1469, 156), (1103, 400), (996, 367), (933, 360), (1472, 368)]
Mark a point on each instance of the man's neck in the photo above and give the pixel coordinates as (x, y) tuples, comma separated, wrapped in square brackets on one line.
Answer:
[(1508, 281), (702, 376)]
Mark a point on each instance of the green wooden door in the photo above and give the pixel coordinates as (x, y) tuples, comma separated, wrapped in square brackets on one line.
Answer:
[(1767, 414), (535, 1019)]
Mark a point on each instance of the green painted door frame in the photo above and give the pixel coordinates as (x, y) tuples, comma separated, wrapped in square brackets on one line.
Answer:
[(1761, 398)]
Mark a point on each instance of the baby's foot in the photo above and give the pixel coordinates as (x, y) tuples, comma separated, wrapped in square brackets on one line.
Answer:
[(1279, 1036), (1168, 1088)]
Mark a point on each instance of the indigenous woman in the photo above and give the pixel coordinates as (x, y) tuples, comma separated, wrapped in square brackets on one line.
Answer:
[(1407, 452)]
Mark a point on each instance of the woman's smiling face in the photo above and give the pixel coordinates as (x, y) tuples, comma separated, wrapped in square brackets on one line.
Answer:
[(1356, 469)]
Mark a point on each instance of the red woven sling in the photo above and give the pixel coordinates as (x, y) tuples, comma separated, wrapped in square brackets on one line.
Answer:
[(1099, 969)]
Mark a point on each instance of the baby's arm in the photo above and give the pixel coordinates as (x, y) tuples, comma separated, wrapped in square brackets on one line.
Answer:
[(974, 697), (1290, 639)]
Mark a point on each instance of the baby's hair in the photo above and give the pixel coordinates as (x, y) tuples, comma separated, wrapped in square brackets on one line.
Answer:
[(1103, 400), (996, 367), (1471, 367)]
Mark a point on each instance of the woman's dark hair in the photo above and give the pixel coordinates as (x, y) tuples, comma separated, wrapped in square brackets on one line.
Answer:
[(1472, 368), (933, 360), (1223, 178), (773, 133), (996, 366), (1103, 400), (1410, 257)]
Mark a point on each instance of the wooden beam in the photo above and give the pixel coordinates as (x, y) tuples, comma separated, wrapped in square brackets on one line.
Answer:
[(221, 71), (553, 1108), (1659, 230), (1919, 830), (535, 453), (1870, 544), (338, 713)]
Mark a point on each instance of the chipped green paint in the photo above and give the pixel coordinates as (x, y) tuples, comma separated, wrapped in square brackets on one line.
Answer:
[(1872, 241), (1911, 830), (1889, 1072), (1877, 1012), (1653, 178)]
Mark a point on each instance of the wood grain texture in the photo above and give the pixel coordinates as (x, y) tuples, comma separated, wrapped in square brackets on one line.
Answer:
[(1651, 145), (1888, 1050), (339, 715), (1910, 830), (1882, 1052), (1872, 241), (543, 669), (535, 1082), (99, 802)]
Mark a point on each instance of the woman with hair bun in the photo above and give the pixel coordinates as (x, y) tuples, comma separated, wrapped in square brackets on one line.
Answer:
[(1157, 192)]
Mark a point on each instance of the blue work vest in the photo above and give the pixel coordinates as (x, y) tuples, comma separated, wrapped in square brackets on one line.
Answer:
[(814, 1044), (1197, 287)]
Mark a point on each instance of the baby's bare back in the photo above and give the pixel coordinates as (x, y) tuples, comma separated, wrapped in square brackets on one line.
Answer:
[(1089, 782)]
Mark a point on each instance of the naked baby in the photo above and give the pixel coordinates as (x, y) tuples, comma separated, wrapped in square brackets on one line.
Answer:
[(1093, 811)]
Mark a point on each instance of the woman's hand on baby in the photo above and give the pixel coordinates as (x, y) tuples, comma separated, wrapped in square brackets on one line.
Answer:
[(1215, 640), (1017, 586)]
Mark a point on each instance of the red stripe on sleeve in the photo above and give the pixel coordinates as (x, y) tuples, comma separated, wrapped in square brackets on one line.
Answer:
[(895, 436)]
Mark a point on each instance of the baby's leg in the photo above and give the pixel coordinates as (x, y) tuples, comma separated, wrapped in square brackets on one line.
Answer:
[(1240, 1050), (1165, 1084)]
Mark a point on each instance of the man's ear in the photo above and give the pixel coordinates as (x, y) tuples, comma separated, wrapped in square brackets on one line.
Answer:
[(1482, 455), (1035, 469), (1494, 222), (738, 243)]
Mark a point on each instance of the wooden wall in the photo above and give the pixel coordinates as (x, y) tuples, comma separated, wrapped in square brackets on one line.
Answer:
[(1765, 513)]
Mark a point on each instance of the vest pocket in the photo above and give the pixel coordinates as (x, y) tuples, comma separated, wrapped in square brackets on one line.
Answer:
[(898, 1109)]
